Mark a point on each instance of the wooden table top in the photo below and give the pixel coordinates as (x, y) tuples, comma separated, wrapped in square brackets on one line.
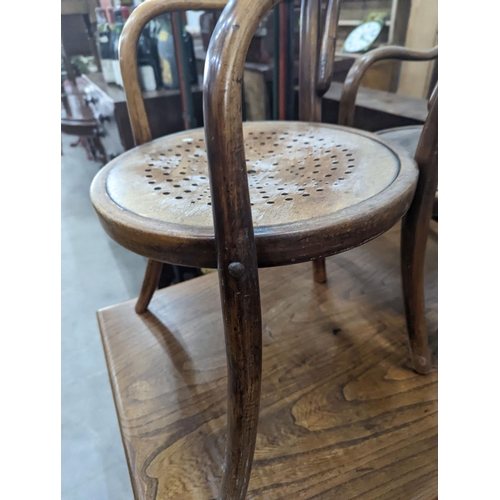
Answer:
[(342, 414)]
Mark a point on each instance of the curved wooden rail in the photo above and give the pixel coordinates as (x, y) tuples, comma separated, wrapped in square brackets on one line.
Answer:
[(234, 235), (358, 69), (141, 130), (141, 16), (328, 47), (414, 233)]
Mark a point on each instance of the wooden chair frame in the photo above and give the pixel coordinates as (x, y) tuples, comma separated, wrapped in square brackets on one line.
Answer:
[(235, 242), (415, 227)]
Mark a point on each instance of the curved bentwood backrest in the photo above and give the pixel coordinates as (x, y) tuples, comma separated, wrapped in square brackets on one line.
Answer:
[(129, 38)]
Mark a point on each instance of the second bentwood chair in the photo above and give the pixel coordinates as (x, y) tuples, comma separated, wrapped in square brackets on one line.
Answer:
[(237, 196)]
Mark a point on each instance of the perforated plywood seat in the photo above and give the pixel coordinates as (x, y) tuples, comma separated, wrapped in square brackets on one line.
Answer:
[(277, 193), (301, 176)]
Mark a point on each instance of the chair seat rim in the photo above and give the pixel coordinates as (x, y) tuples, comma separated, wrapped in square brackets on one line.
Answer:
[(280, 244)]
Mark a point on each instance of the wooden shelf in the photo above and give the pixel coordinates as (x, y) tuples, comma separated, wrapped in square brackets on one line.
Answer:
[(342, 413)]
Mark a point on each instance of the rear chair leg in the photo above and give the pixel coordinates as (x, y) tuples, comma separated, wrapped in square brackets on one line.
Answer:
[(319, 270)]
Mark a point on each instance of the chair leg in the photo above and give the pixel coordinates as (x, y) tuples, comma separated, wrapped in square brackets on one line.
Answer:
[(149, 286), (414, 233), (243, 334), (319, 271)]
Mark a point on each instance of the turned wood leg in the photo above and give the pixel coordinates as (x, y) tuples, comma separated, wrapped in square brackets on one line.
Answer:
[(243, 334), (149, 286), (319, 271), (414, 234)]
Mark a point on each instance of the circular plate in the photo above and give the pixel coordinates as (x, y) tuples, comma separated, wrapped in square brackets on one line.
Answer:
[(303, 177)]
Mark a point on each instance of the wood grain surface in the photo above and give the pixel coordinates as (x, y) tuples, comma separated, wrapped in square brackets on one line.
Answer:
[(343, 415), (296, 171), (315, 189)]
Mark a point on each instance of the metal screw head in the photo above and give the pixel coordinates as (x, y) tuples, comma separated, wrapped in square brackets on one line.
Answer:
[(236, 269)]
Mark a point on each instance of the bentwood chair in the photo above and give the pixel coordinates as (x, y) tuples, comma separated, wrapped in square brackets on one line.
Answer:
[(238, 196), (406, 137)]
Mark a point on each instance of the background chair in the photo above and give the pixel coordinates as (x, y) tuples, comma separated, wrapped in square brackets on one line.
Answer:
[(405, 137)]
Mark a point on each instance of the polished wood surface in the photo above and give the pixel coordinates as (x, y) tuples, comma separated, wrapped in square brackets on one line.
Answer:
[(359, 68), (416, 221), (233, 245), (342, 413), (407, 138), (141, 129), (415, 230), (149, 285), (376, 109), (295, 171), (128, 55), (312, 187)]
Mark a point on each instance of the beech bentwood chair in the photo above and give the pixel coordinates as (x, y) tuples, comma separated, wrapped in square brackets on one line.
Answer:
[(236, 196)]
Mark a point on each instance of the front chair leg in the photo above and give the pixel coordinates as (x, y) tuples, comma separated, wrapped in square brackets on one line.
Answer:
[(149, 285), (319, 270), (243, 334)]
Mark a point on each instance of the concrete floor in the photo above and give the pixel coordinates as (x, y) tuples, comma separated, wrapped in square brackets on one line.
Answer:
[(96, 273)]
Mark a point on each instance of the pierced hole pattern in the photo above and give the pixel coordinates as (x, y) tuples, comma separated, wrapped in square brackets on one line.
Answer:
[(283, 167)]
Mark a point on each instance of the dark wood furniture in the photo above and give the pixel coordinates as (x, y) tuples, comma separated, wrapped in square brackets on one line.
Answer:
[(78, 119), (238, 196), (342, 414), (164, 109), (89, 113), (406, 137)]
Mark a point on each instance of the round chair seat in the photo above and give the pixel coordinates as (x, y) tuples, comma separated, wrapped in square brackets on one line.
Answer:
[(407, 138), (315, 190), (403, 137)]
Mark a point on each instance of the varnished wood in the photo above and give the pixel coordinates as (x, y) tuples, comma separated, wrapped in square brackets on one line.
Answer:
[(128, 55), (317, 56), (376, 109), (234, 236), (319, 270), (414, 240), (149, 285), (364, 177), (407, 139), (342, 413), (328, 47), (358, 69), (310, 29), (135, 102), (416, 221), (132, 207)]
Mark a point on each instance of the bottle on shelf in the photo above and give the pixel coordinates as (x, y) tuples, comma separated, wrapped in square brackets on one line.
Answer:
[(120, 16), (147, 61), (166, 52), (105, 46)]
